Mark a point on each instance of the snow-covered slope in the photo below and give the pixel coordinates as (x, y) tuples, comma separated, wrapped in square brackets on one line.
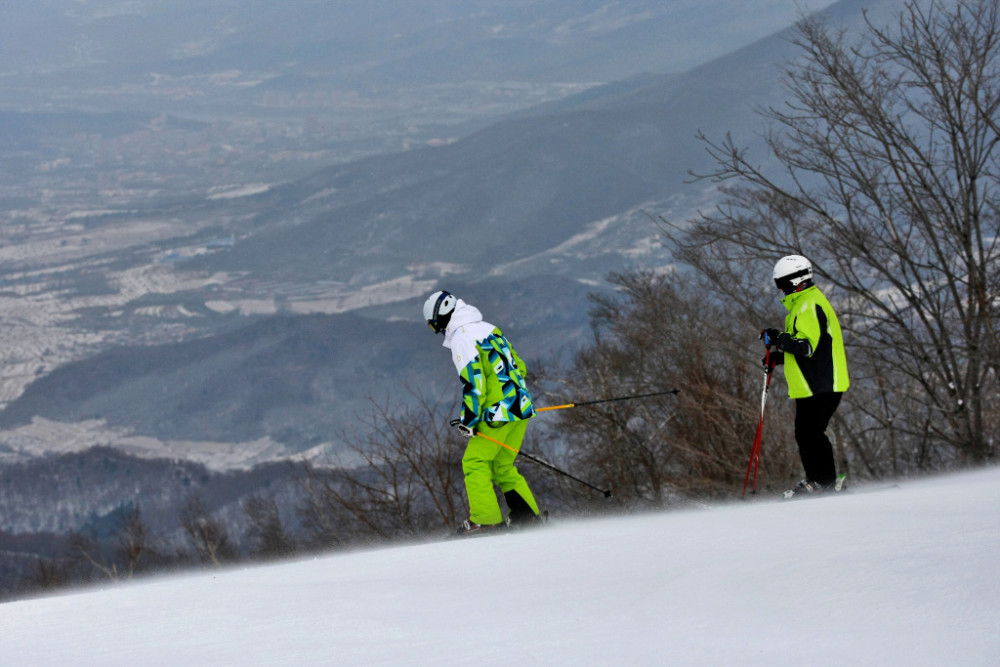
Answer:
[(898, 575)]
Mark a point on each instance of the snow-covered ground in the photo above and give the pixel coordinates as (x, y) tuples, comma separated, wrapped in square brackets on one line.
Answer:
[(901, 574)]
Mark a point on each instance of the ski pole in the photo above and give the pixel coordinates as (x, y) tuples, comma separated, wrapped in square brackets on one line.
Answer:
[(755, 450), (607, 400), (542, 462)]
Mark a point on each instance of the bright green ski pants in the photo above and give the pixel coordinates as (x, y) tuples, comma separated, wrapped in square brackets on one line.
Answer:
[(486, 462)]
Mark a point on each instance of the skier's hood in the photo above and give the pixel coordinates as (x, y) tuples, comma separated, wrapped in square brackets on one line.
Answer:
[(464, 314)]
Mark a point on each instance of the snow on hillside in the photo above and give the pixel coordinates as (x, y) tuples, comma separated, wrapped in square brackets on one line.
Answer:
[(895, 575)]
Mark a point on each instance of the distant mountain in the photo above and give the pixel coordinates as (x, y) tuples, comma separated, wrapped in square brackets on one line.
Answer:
[(516, 198), (282, 376), (523, 218), (379, 43), (506, 198)]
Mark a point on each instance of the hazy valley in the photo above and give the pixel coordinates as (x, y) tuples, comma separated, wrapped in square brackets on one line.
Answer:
[(218, 220)]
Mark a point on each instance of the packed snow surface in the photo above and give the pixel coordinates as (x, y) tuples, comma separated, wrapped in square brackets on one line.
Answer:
[(897, 574)]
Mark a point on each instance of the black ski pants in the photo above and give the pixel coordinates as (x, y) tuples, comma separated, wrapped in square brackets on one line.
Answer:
[(812, 416)]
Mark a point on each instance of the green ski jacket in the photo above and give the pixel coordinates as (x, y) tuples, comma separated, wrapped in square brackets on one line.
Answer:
[(493, 375), (823, 367)]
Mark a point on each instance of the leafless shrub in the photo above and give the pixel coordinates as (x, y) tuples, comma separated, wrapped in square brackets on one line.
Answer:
[(207, 535), (266, 533), (119, 560), (405, 478), (659, 333)]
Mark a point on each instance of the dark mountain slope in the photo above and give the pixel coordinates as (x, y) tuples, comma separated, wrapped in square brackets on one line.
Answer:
[(300, 380), (280, 376)]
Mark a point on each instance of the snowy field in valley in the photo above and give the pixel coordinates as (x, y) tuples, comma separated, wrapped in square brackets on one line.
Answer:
[(885, 575)]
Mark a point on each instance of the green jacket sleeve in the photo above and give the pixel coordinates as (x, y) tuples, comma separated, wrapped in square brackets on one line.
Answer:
[(520, 364)]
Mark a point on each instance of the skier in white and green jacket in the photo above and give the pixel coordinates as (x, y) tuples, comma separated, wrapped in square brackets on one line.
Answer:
[(812, 350), (495, 402)]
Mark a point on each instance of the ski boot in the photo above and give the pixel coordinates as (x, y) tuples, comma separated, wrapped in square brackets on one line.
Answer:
[(807, 487), (471, 529)]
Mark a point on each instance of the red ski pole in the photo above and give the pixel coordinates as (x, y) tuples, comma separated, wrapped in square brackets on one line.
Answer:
[(755, 451)]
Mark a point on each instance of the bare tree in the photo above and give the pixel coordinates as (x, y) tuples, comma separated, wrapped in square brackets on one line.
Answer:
[(118, 558), (266, 531), (49, 573), (206, 534), (404, 477), (86, 550), (660, 332), (888, 179), (320, 513), (132, 541)]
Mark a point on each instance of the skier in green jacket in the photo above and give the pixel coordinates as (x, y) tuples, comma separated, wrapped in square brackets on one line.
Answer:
[(811, 348), (495, 402)]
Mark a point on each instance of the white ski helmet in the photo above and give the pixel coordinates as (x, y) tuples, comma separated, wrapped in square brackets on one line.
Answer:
[(791, 272), (438, 309)]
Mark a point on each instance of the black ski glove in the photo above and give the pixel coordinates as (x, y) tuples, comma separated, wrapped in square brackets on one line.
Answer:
[(769, 336), (789, 345)]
